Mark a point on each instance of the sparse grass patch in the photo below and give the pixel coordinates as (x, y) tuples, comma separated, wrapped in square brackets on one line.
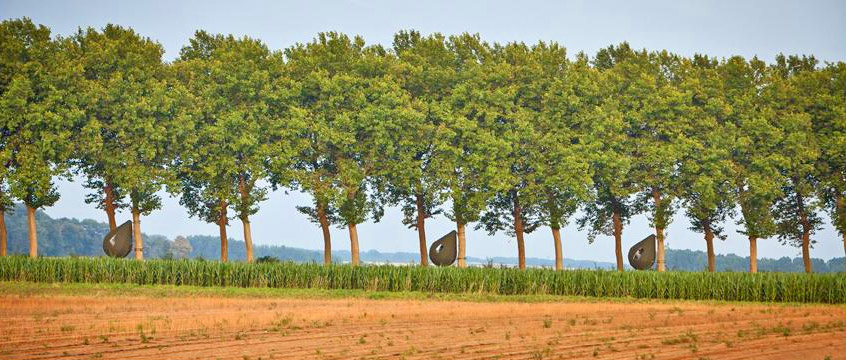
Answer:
[(687, 338)]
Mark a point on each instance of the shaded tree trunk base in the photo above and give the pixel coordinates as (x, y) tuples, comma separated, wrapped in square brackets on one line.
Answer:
[(421, 231), (327, 237), (136, 232), (806, 234), (3, 233), (618, 239), (33, 235), (806, 253), (245, 220), (221, 224), (518, 229), (354, 259), (753, 254), (248, 239), (661, 262), (709, 241), (559, 256), (659, 234), (462, 245), (806, 243)]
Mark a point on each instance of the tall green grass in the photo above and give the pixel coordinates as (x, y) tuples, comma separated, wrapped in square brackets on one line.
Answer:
[(767, 287)]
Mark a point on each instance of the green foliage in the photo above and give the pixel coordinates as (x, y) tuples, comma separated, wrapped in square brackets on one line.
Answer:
[(356, 113), (614, 159), (792, 86), (500, 132), (705, 174), (424, 71), (753, 150), (766, 287), (135, 119), (37, 113), (830, 124), (236, 113), (565, 146), (469, 165)]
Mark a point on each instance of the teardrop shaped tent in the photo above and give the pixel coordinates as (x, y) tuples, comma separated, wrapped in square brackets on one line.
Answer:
[(642, 254), (444, 251), (118, 242)]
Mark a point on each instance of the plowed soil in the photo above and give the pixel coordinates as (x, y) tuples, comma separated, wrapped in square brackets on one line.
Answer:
[(135, 327)]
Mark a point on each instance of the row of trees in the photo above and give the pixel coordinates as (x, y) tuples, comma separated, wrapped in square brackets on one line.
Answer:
[(507, 137)]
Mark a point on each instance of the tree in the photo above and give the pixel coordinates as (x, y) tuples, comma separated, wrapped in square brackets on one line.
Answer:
[(753, 148), (135, 123), (425, 72), (653, 109), (37, 114), (614, 160), (705, 172), (788, 96), (657, 113), (504, 105), (236, 106), (121, 69), (357, 110), (302, 162), (563, 178), (541, 174), (181, 248), (830, 124), (465, 167)]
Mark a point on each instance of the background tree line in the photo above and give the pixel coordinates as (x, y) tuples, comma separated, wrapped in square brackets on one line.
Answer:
[(504, 137), (72, 237)]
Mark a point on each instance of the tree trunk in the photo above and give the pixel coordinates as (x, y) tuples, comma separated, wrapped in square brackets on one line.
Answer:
[(33, 236), (136, 232), (753, 254), (3, 234), (659, 232), (462, 263), (709, 241), (327, 239), (806, 232), (518, 229), (110, 206), (618, 238), (353, 244), (221, 224), (844, 242), (421, 231), (840, 206), (559, 257), (248, 238), (806, 243), (245, 218)]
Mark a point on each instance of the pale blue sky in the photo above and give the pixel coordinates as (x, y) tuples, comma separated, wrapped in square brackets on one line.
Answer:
[(716, 28)]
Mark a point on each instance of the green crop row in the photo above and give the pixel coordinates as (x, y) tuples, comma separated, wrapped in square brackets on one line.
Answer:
[(727, 286)]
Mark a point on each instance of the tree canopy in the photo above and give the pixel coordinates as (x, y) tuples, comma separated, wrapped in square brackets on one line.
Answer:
[(504, 137)]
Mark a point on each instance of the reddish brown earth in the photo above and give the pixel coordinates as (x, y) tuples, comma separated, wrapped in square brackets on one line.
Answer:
[(114, 327)]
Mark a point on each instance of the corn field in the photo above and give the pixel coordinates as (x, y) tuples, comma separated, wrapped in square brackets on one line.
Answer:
[(727, 286)]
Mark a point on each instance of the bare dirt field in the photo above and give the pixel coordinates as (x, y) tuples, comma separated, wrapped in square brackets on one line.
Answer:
[(132, 325)]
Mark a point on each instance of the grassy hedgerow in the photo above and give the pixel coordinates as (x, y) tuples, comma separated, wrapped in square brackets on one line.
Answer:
[(725, 286)]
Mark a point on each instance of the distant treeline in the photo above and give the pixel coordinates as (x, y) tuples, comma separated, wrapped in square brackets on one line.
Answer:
[(71, 237)]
